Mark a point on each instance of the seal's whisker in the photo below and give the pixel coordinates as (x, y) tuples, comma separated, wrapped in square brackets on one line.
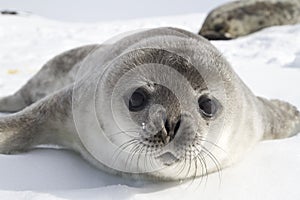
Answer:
[(196, 169), (215, 161), (122, 147), (123, 132), (183, 166), (202, 168), (191, 161), (150, 158), (133, 151), (189, 164), (200, 139), (140, 152), (145, 148), (202, 161)]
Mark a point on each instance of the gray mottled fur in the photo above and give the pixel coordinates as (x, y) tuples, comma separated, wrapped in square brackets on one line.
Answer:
[(55, 74), (43, 114), (240, 18)]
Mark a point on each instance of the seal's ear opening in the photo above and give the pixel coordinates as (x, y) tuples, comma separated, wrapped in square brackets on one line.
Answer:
[(281, 119)]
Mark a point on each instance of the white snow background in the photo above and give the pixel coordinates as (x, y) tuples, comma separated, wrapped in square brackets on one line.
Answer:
[(267, 61)]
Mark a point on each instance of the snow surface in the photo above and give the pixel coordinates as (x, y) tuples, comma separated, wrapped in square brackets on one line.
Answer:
[(267, 61)]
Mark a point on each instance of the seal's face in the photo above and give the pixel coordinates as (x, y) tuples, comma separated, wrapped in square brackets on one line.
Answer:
[(222, 26), (173, 134), (164, 115)]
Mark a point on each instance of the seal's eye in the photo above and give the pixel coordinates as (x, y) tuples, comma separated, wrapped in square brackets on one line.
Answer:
[(138, 100), (208, 106)]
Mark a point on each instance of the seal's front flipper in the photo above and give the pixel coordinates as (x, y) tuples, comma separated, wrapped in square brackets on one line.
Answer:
[(48, 121), (12, 103), (281, 119), (56, 74)]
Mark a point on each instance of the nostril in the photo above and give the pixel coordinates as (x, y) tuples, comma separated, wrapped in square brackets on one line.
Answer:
[(177, 126), (167, 126), (170, 130)]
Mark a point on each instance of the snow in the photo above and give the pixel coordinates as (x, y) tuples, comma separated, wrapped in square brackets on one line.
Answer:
[(267, 61)]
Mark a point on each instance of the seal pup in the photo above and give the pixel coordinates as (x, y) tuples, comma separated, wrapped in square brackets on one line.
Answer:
[(161, 104), (241, 18)]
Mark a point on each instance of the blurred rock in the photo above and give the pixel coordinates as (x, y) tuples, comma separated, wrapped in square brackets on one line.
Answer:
[(8, 12)]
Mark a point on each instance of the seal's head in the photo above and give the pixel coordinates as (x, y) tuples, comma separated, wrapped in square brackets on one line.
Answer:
[(221, 26), (166, 102), (163, 106)]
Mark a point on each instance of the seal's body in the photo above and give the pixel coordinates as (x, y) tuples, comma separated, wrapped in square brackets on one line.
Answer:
[(241, 18), (159, 104)]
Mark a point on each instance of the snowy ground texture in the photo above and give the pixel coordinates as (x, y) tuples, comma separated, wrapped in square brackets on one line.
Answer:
[(268, 62)]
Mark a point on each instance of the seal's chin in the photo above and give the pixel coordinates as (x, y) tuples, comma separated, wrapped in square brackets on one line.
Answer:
[(167, 158)]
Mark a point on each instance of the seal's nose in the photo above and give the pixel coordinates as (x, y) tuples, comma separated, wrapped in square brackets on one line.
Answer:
[(170, 129)]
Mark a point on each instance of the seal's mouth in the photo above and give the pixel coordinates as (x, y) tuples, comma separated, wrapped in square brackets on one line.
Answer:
[(168, 158)]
